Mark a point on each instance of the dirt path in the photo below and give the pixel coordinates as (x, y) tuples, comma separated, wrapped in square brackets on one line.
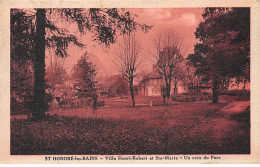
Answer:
[(236, 107)]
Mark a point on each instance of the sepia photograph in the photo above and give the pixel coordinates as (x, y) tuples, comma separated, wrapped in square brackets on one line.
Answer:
[(130, 81)]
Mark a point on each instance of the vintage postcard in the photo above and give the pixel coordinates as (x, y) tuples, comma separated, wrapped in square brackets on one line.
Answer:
[(129, 81)]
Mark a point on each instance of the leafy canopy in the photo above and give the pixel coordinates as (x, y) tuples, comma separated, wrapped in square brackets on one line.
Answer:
[(224, 48)]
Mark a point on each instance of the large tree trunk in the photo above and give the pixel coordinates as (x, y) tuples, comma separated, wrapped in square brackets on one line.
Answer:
[(215, 90), (95, 97), (168, 87), (244, 85), (167, 91), (132, 92), (175, 91), (163, 93), (40, 106)]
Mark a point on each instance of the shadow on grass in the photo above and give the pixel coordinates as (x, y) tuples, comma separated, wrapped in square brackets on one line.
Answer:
[(243, 117)]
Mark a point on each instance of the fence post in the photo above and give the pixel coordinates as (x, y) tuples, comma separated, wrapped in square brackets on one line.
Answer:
[(151, 102)]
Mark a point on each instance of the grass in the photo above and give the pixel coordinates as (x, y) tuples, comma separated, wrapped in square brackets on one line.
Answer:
[(187, 128)]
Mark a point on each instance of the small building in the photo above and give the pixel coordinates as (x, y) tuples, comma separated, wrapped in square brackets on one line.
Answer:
[(60, 93), (151, 84)]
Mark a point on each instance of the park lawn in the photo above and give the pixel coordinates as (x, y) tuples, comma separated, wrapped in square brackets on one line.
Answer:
[(180, 128)]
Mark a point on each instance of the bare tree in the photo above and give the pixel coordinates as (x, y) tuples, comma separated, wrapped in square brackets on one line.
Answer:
[(169, 51), (55, 71), (129, 60), (191, 79)]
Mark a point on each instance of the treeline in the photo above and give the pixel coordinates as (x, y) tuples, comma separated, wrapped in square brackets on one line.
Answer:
[(34, 31)]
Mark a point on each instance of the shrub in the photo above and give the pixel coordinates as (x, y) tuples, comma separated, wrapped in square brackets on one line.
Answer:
[(235, 92), (191, 98), (101, 103)]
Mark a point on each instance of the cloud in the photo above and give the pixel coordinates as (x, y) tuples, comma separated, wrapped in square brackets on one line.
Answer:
[(184, 19), (189, 19), (158, 13)]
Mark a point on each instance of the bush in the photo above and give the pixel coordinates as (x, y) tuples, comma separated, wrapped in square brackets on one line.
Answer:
[(16, 107), (191, 98), (101, 103), (239, 95), (236, 93)]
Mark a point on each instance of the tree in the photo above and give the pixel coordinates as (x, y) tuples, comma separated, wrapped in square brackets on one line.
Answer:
[(178, 75), (191, 79), (55, 72), (22, 55), (104, 24), (121, 85), (22, 37), (169, 49), (21, 86), (129, 60), (84, 75), (117, 86), (223, 51)]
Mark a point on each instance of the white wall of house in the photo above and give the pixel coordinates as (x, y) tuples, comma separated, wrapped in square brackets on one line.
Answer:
[(152, 87), (180, 88)]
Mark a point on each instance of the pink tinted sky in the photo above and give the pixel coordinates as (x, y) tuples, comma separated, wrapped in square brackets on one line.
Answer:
[(182, 20)]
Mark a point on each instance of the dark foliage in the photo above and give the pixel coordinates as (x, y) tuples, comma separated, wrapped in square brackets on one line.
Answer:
[(224, 48), (22, 57), (84, 77), (191, 98)]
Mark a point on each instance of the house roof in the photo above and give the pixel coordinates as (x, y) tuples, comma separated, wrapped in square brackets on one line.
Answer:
[(152, 75)]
